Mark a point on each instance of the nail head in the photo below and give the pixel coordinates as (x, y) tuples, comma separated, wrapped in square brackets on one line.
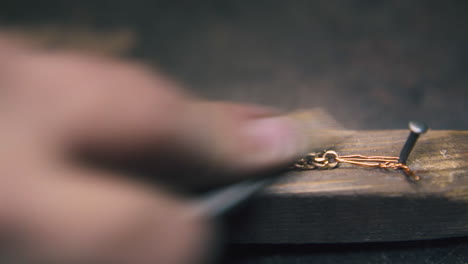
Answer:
[(418, 127)]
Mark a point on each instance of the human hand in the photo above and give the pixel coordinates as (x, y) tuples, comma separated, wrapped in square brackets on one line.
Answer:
[(56, 104)]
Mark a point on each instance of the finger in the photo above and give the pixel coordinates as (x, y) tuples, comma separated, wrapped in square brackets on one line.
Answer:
[(233, 139), (120, 108), (78, 216)]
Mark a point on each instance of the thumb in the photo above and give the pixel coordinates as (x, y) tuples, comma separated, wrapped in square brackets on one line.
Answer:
[(62, 215)]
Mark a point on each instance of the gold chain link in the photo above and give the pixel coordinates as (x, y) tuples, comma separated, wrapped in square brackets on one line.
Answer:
[(330, 159)]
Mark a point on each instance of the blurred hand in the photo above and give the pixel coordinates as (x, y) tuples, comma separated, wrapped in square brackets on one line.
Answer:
[(55, 104)]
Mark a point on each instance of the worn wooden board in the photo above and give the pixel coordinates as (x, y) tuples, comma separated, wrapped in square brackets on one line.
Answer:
[(355, 204)]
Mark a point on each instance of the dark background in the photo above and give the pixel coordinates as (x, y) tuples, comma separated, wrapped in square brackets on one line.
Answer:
[(372, 64)]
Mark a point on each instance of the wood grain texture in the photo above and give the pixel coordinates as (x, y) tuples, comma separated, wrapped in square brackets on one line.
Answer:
[(355, 204)]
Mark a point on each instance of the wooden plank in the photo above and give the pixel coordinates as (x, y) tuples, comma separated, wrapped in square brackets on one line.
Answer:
[(355, 204)]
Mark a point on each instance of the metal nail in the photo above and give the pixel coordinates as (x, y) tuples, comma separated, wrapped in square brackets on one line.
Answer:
[(417, 128)]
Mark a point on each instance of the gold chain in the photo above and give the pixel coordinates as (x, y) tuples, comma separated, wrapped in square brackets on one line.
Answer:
[(330, 159)]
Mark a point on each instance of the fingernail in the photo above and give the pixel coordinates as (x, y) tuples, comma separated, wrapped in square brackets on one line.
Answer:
[(276, 139)]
